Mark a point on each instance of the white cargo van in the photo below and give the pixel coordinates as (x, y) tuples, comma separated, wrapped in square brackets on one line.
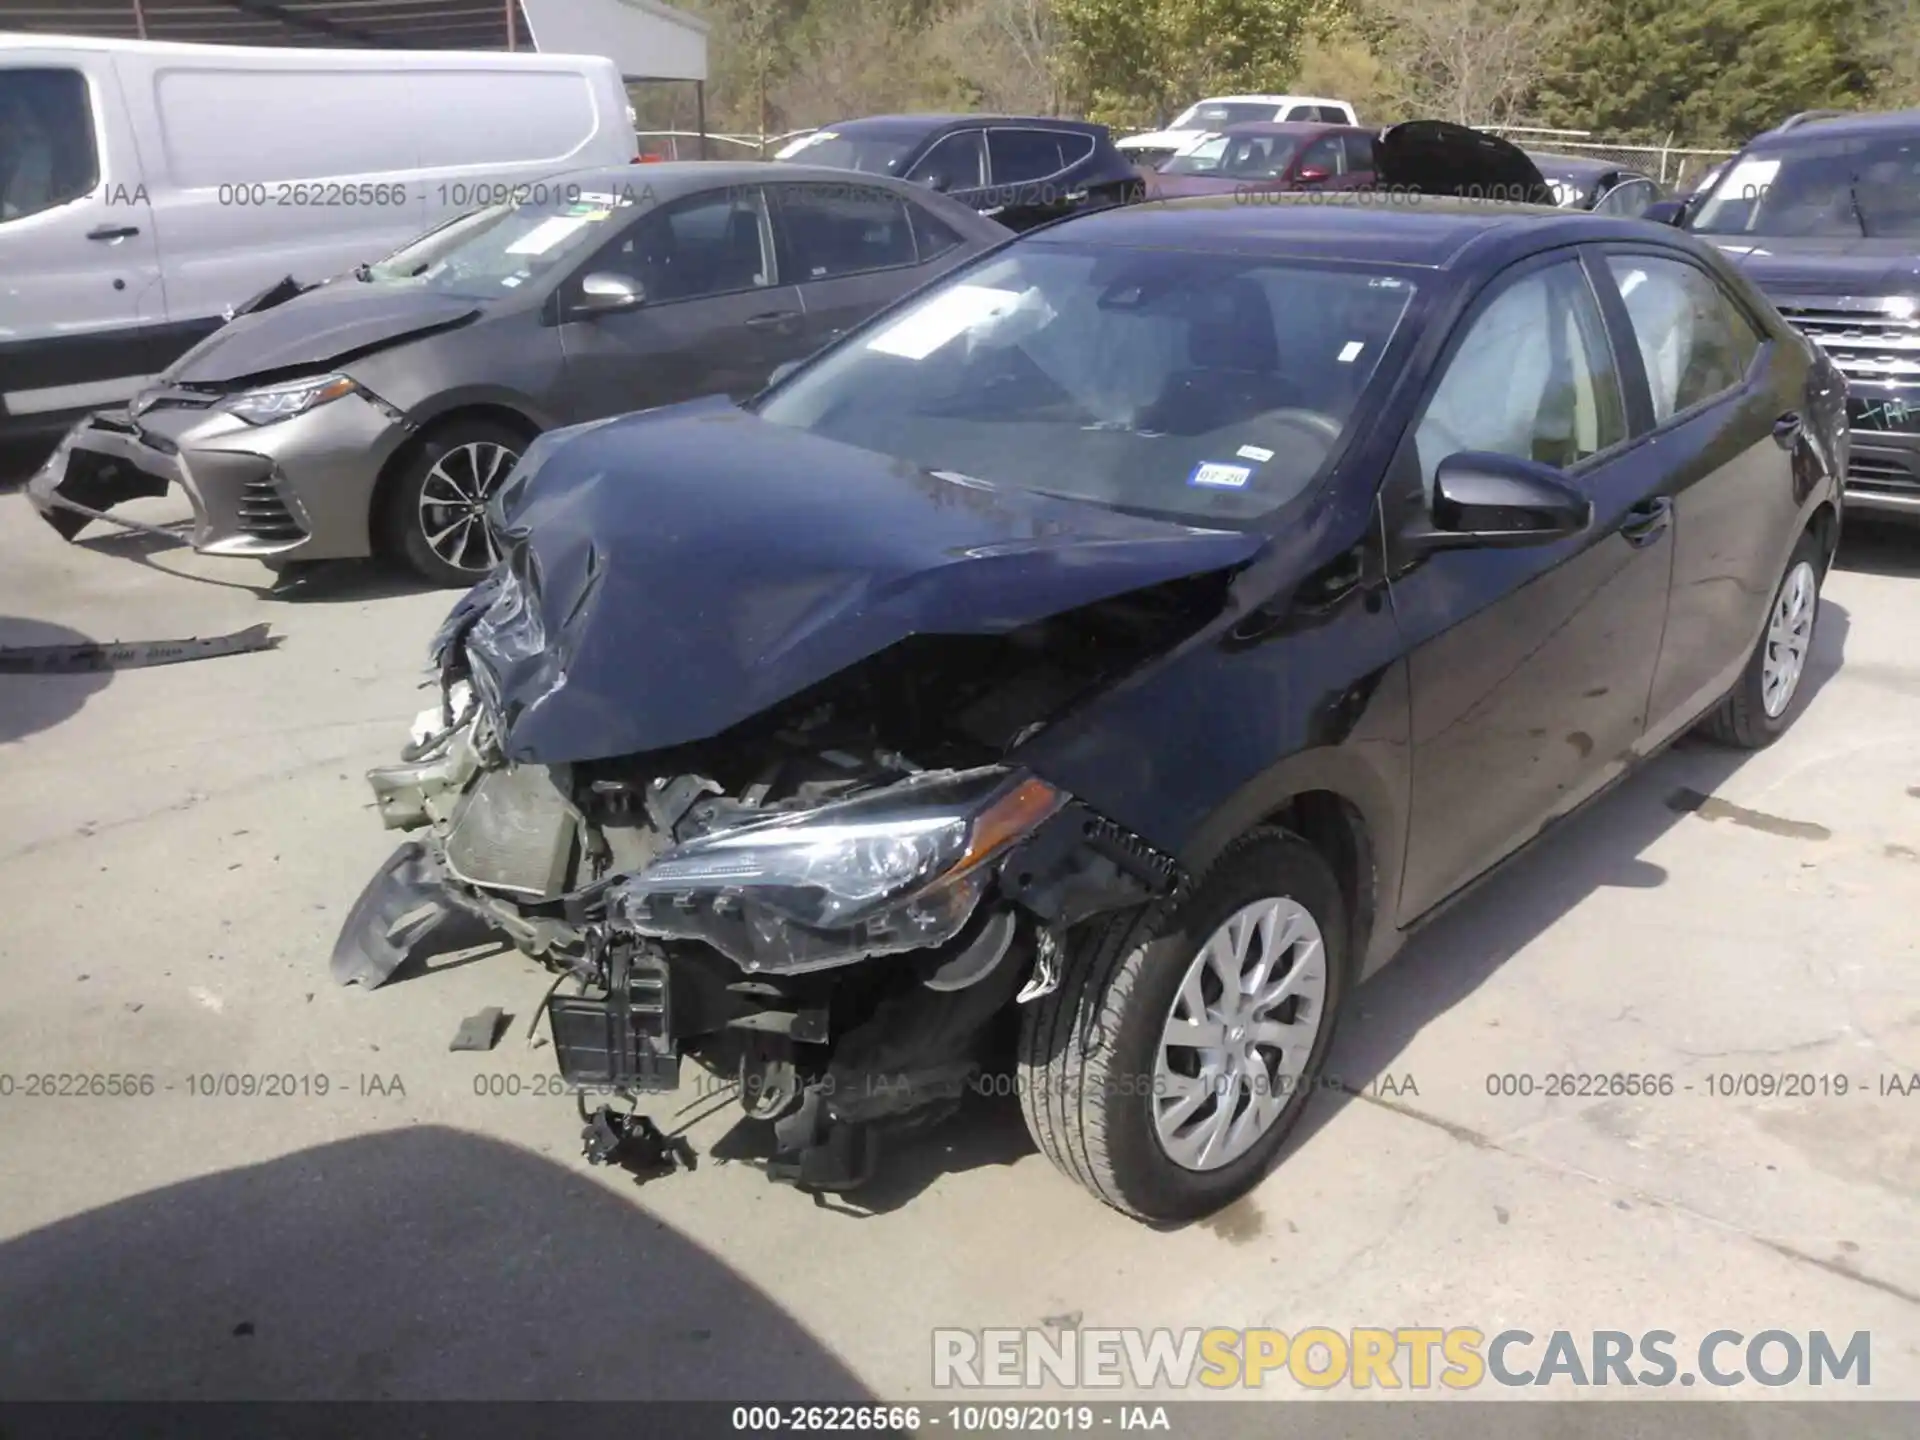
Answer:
[(145, 187)]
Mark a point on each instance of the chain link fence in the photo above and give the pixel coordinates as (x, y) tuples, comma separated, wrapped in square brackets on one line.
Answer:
[(1677, 168)]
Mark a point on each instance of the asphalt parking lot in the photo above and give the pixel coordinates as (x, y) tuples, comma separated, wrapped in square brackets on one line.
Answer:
[(179, 843)]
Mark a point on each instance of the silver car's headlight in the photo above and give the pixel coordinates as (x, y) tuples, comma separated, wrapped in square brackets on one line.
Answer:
[(899, 869), (289, 398)]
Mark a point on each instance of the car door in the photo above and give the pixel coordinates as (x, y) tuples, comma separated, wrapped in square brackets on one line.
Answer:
[(1717, 390), (1320, 164), (1630, 197), (1528, 668), (1027, 173), (850, 249), (82, 305), (714, 318), (956, 165)]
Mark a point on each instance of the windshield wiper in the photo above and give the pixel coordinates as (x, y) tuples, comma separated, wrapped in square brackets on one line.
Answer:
[(363, 272), (1859, 215)]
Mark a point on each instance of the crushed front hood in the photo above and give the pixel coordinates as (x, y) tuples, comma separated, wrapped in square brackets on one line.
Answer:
[(326, 326), (674, 573)]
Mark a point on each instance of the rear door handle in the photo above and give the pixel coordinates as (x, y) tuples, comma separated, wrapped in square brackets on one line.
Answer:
[(773, 320), (113, 232), (1787, 429), (1646, 521)]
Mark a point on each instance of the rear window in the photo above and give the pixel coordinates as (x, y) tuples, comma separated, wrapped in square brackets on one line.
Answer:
[(1218, 117), (331, 123), (47, 155)]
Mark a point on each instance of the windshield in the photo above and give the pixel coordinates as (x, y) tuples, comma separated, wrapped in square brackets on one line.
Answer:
[(1833, 187), (870, 154), (1241, 157), (1207, 386), (1217, 114), (502, 247)]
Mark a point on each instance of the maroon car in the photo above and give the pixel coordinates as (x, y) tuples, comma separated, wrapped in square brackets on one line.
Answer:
[(1269, 155)]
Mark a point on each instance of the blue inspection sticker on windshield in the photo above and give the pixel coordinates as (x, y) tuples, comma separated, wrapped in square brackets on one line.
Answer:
[(1217, 476)]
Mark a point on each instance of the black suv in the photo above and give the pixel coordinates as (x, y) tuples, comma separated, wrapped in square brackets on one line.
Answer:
[(1825, 216), (1021, 170)]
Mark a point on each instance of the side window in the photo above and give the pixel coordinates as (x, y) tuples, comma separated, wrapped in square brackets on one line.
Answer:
[(47, 155), (835, 230), (711, 244), (1629, 198), (1324, 155), (1533, 377), (1332, 114), (1359, 150), (1017, 156), (1303, 112), (1694, 341), (932, 236), (957, 162)]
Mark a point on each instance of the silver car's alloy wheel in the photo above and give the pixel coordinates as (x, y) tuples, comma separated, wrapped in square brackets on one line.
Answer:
[(1239, 1034), (453, 504), (1789, 634)]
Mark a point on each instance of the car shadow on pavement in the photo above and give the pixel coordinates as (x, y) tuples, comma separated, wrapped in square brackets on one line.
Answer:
[(31, 703), (1882, 548), (418, 1264), (1597, 848)]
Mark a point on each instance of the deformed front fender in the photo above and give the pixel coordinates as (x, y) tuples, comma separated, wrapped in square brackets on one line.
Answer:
[(403, 907)]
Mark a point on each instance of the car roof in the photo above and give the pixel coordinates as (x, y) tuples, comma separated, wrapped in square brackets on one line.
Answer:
[(927, 124), (1576, 164), (1285, 127), (1885, 122), (1267, 100), (1413, 231), (679, 177)]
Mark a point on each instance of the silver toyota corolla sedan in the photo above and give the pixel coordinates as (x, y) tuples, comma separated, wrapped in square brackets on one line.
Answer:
[(376, 413)]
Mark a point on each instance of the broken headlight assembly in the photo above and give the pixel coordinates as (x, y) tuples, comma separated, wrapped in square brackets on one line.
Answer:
[(901, 868), (269, 403)]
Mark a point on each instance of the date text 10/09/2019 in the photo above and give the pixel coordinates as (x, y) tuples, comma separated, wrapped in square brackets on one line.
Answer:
[(1038, 1419)]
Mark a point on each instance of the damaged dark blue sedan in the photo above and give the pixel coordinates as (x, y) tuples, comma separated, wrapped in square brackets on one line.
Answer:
[(1110, 654)]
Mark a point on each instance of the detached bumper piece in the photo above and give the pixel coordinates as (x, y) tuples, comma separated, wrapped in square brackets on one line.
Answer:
[(620, 1040)]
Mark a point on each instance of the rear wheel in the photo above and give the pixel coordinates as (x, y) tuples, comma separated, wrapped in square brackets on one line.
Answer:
[(436, 509), (1181, 1046), (1763, 702)]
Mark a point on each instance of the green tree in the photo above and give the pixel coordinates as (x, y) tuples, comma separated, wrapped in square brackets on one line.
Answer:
[(1131, 62), (1714, 72)]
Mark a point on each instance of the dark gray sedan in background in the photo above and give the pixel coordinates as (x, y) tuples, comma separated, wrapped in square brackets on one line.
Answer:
[(376, 413)]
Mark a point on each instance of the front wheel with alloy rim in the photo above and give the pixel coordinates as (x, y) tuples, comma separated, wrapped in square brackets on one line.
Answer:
[(1181, 1045), (436, 510), (1758, 709)]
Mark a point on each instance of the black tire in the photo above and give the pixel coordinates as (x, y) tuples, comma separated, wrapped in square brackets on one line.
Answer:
[(1087, 1051), (402, 524), (1741, 719)]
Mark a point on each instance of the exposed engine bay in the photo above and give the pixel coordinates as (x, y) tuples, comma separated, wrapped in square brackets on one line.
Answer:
[(831, 903)]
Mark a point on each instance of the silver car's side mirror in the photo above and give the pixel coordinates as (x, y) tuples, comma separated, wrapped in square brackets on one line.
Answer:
[(604, 293)]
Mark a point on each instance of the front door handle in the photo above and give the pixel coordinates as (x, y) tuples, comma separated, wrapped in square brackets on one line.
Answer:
[(113, 232), (773, 320), (1787, 429), (1646, 521)]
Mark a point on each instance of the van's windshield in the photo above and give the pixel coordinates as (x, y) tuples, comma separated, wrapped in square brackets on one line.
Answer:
[(502, 247)]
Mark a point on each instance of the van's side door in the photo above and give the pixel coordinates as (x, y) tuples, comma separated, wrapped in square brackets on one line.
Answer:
[(82, 306)]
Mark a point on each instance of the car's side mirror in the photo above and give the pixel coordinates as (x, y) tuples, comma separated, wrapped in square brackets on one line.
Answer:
[(1483, 500), (1666, 212), (604, 293), (1312, 174), (941, 183)]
